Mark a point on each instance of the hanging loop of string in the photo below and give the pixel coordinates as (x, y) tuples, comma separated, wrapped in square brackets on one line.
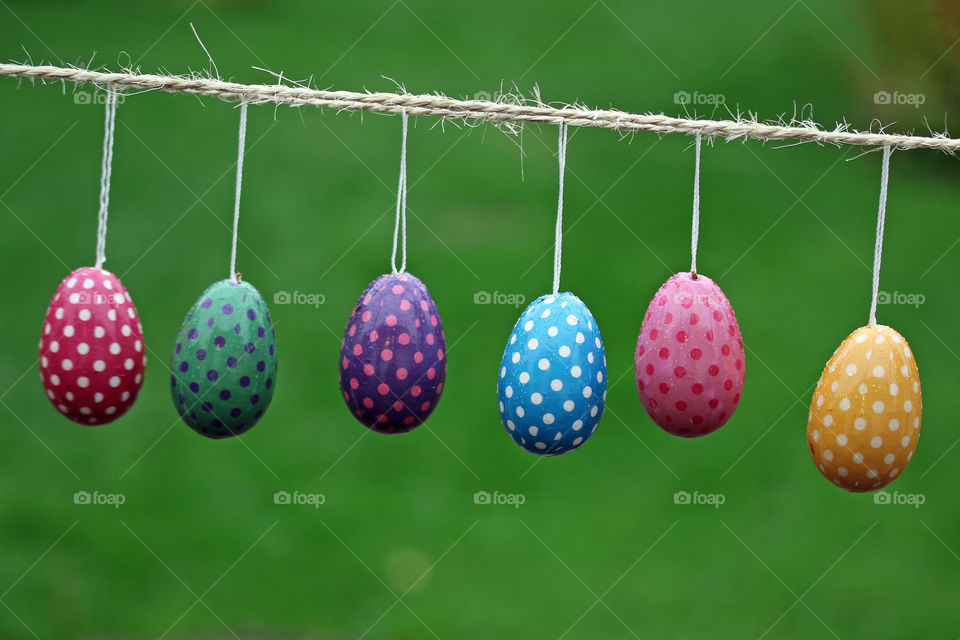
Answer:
[(881, 221), (241, 144), (695, 232), (400, 224), (106, 164), (558, 241)]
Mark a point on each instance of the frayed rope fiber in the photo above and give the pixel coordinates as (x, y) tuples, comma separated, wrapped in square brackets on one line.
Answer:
[(482, 110)]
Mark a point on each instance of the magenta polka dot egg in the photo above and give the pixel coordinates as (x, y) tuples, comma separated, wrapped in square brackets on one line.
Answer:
[(689, 360), (393, 360)]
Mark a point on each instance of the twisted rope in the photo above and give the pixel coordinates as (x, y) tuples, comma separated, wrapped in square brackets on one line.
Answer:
[(482, 110)]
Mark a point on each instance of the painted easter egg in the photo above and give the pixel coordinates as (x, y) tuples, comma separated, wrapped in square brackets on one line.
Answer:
[(92, 356), (552, 383), (689, 362), (865, 415), (393, 359), (224, 366)]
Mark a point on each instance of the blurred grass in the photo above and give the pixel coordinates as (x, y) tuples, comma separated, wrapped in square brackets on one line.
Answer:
[(317, 208)]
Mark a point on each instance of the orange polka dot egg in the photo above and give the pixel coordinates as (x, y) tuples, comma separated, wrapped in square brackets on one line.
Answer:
[(865, 414)]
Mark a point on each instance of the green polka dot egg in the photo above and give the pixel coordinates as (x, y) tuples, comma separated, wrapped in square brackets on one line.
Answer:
[(224, 366)]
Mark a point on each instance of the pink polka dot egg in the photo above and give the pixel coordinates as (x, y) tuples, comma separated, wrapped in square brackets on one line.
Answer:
[(92, 356), (689, 362), (393, 360)]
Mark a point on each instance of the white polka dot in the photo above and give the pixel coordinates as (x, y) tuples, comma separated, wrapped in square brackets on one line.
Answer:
[(842, 440), (571, 320), (916, 387), (568, 405), (548, 418), (73, 298), (575, 371), (83, 382), (510, 425), (594, 411), (67, 364), (827, 455), (580, 338), (816, 435), (501, 406), (540, 445), (599, 376), (519, 411), (876, 442), (86, 411), (516, 357), (118, 298), (916, 423), (577, 425), (851, 369), (597, 342), (860, 424), (889, 458), (513, 338), (906, 441), (908, 406), (99, 365), (590, 357), (44, 362), (125, 396), (879, 339), (536, 398), (137, 346), (533, 343), (125, 330), (110, 411), (862, 388), (820, 400), (577, 440), (503, 372), (533, 431), (114, 348), (98, 397), (54, 346), (878, 407), (107, 284), (114, 382), (894, 424), (59, 314), (556, 385), (844, 404), (861, 338), (508, 391), (88, 283), (894, 389), (564, 351), (55, 380), (828, 420), (858, 458), (587, 392), (544, 364), (552, 332), (98, 332), (879, 371), (546, 313), (524, 377), (904, 371), (842, 471), (71, 283), (112, 315), (906, 351), (872, 473), (68, 330), (528, 325), (551, 300), (894, 472)]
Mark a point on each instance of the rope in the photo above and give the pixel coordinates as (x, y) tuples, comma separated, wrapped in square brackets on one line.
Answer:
[(481, 110), (236, 205), (558, 240), (695, 233), (400, 225), (106, 164), (881, 222)]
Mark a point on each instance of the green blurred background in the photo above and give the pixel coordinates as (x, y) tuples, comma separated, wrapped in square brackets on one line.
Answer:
[(399, 549)]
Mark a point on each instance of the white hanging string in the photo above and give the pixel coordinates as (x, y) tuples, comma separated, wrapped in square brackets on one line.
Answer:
[(881, 221), (236, 205), (400, 225), (558, 241), (106, 164), (695, 235)]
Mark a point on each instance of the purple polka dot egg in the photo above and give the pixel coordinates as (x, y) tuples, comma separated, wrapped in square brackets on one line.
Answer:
[(224, 365), (393, 360)]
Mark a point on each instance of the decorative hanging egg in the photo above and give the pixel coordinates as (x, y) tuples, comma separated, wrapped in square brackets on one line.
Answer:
[(393, 359), (689, 362), (224, 366), (865, 415), (91, 351), (553, 377)]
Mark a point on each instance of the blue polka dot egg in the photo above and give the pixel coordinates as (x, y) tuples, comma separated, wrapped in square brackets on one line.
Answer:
[(552, 383), (224, 366)]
